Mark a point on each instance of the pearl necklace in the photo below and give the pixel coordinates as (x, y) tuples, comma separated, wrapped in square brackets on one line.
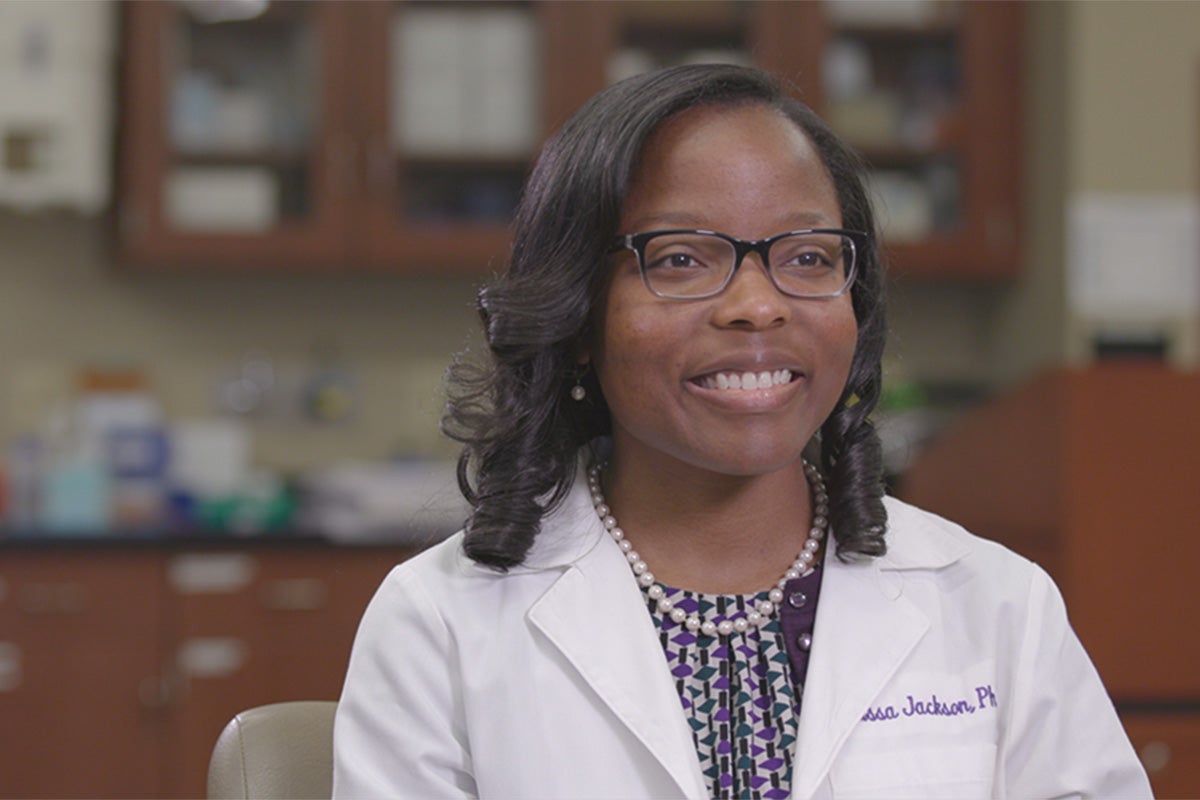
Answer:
[(757, 616)]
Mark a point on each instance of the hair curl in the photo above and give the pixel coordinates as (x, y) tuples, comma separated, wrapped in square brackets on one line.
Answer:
[(520, 431)]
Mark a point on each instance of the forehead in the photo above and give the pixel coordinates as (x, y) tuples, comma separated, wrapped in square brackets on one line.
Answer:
[(745, 167)]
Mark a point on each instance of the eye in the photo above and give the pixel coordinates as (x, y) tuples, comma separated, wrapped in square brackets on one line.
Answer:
[(806, 253), (808, 259), (685, 252), (678, 260)]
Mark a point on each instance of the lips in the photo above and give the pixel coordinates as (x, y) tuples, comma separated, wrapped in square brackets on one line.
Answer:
[(737, 380)]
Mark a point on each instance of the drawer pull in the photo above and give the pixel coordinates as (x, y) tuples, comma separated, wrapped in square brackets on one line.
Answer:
[(1156, 756), (295, 594), (212, 656), (211, 573), (154, 692)]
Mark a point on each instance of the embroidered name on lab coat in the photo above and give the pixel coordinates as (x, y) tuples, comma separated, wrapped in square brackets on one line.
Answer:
[(934, 706)]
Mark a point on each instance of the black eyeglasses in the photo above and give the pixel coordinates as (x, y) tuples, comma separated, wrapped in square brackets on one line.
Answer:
[(689, 264)]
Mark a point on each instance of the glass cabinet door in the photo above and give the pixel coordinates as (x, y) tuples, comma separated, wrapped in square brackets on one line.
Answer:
[(929, 93), (454, 117), (243, 142)]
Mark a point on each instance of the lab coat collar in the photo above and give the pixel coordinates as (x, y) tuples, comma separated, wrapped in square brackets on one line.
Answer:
[(865, 629), (913, 543), (609, 637), (568, 533)]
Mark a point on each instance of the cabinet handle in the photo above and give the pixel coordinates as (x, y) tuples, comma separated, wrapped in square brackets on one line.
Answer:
[(342, 158), (295, 594), (379, 169), (211, 656), (154, 692), (1156, 756), (53, 598)]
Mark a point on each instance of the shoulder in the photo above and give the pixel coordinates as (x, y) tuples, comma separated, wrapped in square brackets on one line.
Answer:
[(921, 540), (916, 537), (443, 584)]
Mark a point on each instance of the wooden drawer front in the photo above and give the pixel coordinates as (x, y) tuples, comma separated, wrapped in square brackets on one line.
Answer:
[(313, 603), (76, 594), (1169, 746)]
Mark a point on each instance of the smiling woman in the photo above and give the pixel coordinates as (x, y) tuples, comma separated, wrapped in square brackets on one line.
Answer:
[(693, 305)]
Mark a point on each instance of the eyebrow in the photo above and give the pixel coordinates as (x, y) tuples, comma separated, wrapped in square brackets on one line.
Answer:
[(798, 221)]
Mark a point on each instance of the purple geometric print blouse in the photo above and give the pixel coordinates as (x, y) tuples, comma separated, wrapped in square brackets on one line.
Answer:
[(741, 694)]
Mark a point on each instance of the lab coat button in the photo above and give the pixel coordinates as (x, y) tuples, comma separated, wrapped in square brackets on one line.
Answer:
[(797, 599)]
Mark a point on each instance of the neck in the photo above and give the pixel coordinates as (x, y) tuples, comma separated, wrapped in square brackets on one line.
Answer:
[(708, 532)]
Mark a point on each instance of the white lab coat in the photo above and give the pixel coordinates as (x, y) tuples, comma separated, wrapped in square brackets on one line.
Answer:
[(549, 681)]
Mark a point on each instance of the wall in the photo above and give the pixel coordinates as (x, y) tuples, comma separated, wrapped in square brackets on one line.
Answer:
[(1102, 78), (1135, 70), (64, 304), (1134, 114)]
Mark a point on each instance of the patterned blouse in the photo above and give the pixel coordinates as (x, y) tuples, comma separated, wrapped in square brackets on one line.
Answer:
[(742, 693)]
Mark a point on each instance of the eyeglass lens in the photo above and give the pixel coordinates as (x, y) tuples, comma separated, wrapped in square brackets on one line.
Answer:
[(694, 264)]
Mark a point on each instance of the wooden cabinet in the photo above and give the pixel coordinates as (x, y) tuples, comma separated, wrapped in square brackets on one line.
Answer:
[(79, 675), (126, 664), (396, 135), (1092, 474)]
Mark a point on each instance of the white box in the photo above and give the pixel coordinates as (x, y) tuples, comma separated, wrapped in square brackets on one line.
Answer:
[(221, 199)]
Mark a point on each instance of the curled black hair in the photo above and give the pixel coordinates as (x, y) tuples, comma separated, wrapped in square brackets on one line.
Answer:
[(520, 431)]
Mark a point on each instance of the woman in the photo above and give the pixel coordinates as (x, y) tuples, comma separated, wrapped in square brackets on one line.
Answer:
[(656, 594)]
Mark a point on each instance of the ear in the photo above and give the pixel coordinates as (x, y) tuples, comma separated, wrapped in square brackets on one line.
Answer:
[(582, 352)]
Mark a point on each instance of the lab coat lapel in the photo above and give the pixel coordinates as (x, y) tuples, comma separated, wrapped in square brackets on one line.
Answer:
[(865, 628), (594, 614)]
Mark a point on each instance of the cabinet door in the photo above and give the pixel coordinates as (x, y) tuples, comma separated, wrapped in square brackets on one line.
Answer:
[(80, 685), (216, 635), (258, 626), (452, 112), (235, 149), (930, 95)]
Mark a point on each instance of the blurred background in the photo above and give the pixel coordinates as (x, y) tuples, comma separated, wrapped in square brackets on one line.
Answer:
[(240, 242)]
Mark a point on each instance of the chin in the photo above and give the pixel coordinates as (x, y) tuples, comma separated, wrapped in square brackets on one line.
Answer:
[(747, 460)]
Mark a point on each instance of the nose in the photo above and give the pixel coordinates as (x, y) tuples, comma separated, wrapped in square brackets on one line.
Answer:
[(751, 300)]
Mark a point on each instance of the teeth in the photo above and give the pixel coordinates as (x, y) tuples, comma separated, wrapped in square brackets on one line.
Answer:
[(747, 380)]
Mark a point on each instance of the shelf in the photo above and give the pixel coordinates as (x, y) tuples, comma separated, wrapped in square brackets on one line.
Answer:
[(283, 158), (940, 32)]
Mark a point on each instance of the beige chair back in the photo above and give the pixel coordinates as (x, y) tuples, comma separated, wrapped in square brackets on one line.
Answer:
[(284, 750)]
